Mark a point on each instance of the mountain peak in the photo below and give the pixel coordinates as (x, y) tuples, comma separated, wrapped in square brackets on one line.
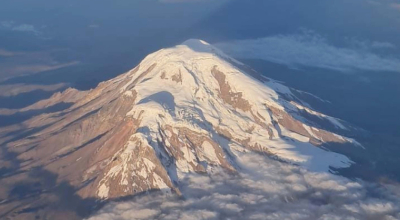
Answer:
[(186, 109), (201, 46), (196, 43)]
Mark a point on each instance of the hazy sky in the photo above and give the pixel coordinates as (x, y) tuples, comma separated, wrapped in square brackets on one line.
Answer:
[(108, 33)]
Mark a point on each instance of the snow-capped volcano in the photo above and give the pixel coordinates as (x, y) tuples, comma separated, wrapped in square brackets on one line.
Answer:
[(184, 109)]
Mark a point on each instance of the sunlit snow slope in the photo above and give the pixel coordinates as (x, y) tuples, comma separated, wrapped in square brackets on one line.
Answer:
[(184, 109)]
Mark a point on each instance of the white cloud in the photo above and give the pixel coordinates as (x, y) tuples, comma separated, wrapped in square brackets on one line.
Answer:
[(264, 189), (24, 27), (13, 26), (7, 24), (365, 45), (311, 49), (382, 45)]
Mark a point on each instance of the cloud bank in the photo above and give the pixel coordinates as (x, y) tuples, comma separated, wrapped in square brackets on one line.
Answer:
[(265, 189), (311, 49)]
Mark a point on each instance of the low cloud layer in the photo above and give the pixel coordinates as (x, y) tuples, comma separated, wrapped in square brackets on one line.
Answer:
[(18, 63), (265, 189), (311, 49)]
